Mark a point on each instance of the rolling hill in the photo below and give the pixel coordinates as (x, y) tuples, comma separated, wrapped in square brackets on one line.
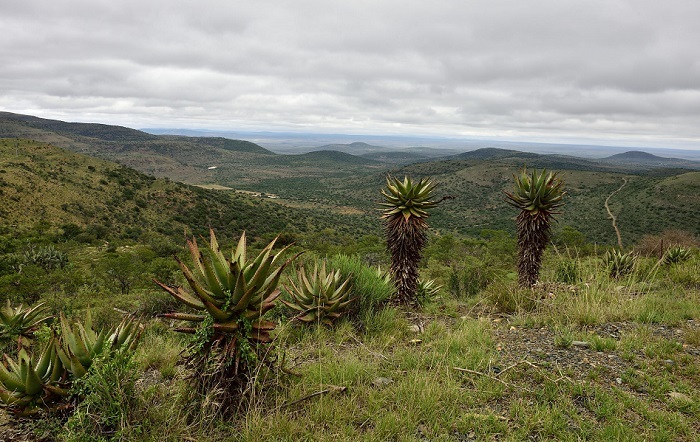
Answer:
[(42, 186), (343, 189), (639, 158)]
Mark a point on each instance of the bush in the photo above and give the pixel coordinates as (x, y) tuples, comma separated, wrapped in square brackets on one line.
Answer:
[(568, 271), (510, 298), (469, 277), (370, 289), (656, 245)]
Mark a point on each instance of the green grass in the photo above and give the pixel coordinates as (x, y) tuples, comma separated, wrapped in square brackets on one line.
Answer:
[(383, 381), (484, 360)]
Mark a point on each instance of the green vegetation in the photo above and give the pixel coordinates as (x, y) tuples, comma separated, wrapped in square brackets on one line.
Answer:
[(619, 264), (18, 324), (579, 356), (231, 298), (43, 381)]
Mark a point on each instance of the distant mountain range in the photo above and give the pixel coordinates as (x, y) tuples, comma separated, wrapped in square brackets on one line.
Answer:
[(296, 142), (183, 157), (648, 159)]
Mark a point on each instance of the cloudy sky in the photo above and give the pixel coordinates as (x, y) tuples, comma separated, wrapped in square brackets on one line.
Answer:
[(600, 71)]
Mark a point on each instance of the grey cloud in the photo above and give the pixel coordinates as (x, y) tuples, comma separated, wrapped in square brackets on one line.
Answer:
[(605, 68)]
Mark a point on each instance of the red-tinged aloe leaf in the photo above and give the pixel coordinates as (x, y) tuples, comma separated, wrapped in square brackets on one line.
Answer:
[(225, 328), (188, 330), (184, 317), (262, 324), (182, 296), (309, 317), (199, 290), (216, 312), (261, 336), (293, 306), (196, 255), (57, 390), (243, 303)]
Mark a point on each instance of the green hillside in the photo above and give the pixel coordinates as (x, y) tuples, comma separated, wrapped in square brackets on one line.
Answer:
[(77, 195), (650, 204), (194, 160)]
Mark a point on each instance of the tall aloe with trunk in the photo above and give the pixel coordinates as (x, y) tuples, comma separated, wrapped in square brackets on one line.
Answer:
[(537, 195), (231, 297), (406, 210)]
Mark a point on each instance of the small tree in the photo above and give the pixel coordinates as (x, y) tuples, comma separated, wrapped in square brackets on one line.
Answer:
[(407, 205), (537, 196)]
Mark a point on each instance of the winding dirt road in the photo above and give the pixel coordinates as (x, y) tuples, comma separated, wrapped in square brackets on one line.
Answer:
[(610, 214)]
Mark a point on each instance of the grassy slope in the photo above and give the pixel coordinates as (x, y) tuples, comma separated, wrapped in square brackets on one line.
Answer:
[(44, 184)]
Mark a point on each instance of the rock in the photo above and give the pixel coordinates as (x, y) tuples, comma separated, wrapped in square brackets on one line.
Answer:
[(619, 381), (669, 362), (382, 382), (581, 344), (415, 328)]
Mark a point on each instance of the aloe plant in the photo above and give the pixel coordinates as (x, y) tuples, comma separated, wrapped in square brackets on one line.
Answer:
[(319, 296), (619, 264), (407, 206), (427, 289), (32, 383), (19, 323), (231, 297), (537, 196), (676, 255), (81, 344)]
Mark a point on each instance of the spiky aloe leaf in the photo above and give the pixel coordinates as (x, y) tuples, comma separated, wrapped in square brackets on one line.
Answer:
[(31, 382), (21, 322)]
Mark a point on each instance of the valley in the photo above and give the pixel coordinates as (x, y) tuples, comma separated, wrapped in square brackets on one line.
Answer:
[(330, 176)]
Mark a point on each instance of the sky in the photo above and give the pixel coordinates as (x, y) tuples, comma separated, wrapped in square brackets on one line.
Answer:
[(618, 72)]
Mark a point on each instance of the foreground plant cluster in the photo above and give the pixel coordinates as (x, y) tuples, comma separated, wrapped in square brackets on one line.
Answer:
[(461, 339)]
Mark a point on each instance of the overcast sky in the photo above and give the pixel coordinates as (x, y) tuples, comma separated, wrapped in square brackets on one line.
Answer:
[(600, 71)]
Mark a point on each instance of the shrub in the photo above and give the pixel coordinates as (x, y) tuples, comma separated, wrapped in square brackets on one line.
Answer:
[(656, 245), (111, 404), (369, 287), (511, 298), (568, 271), (470, 277)]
